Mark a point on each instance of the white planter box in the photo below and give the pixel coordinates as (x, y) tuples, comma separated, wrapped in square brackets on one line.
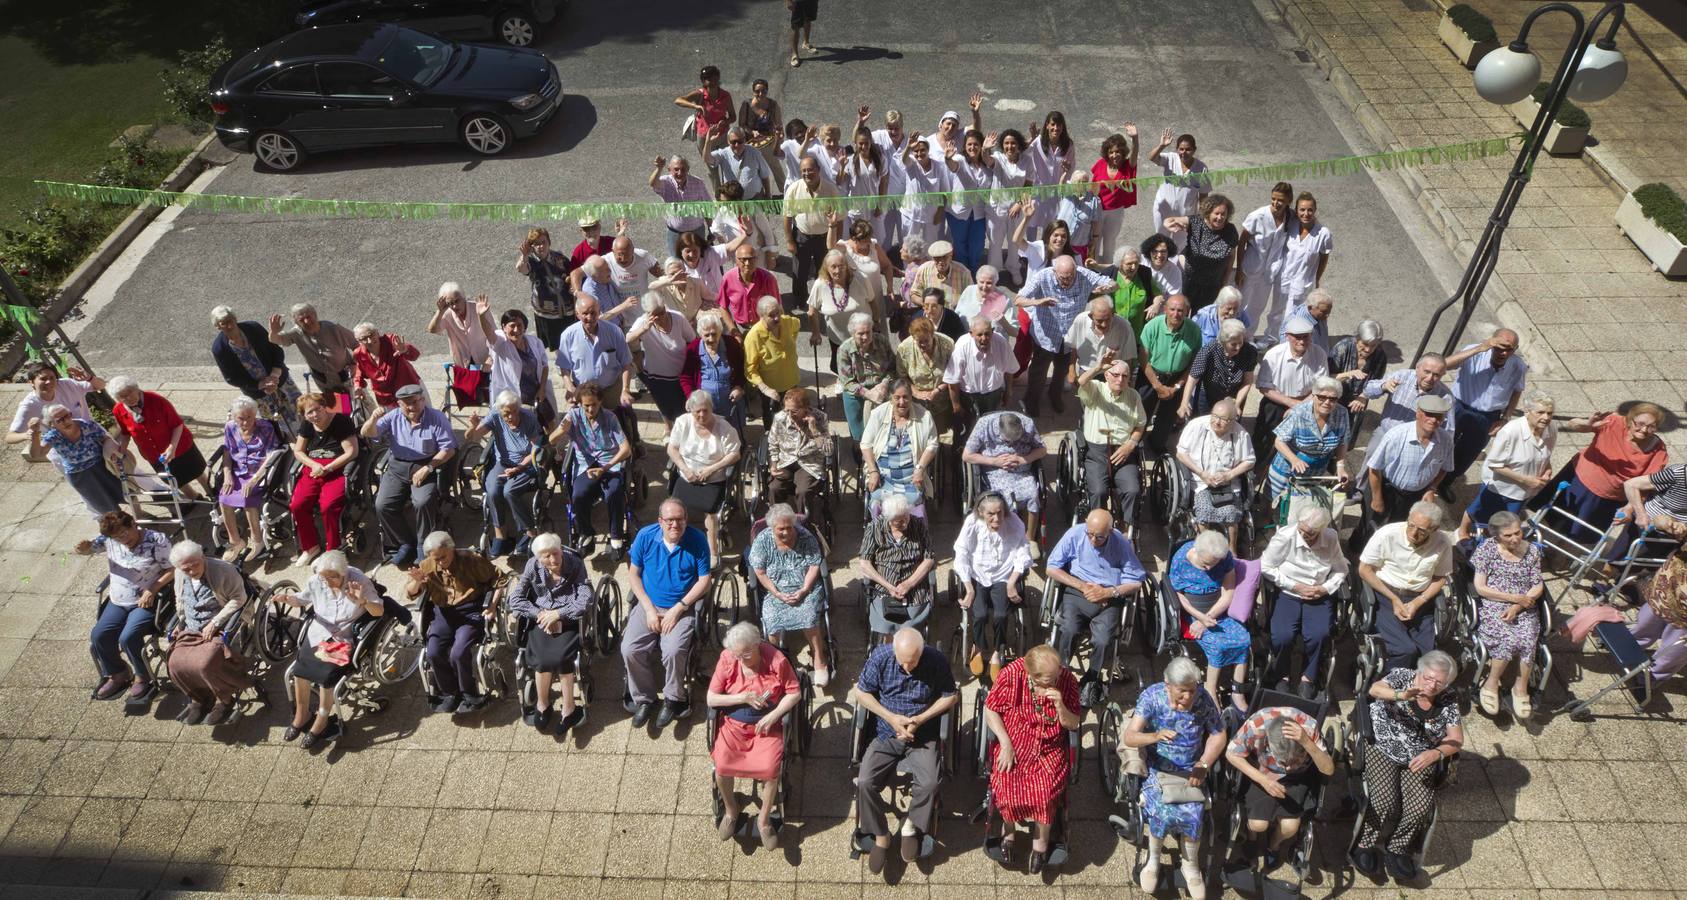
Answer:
[(1561, 140), (1667, 254), (1468, 51)]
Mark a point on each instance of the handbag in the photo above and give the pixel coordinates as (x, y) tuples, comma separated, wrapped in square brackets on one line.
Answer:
[(1177, 789), (1220, 499), (688, 128), (334, 652)]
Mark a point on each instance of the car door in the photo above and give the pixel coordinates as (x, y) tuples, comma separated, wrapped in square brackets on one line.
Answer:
[(288, 101), (359, 104)]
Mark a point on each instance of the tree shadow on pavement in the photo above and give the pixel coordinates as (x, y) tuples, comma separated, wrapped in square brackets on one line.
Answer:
[(640, 23), (102, 31)]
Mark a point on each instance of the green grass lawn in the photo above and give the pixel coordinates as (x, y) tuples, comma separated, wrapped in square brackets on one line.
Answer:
[(59, 119)]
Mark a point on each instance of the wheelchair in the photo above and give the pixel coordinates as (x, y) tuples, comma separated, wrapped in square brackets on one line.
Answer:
[(1019, 630), (755, 595), (561, 479), (597, 627), (1473, 654), (1175, 497), (735, 500), (1244, 874), (616, 605), (1557, 531), (861, 583), (155, 647), (241, 636), (864, 729), (827, 497), (1168, 635), (1265, 603), (489, 671), (539, 502), (1124, 786), (275, 486), (386, 649), (797, 730), (1325, 490), (1134, 612), (974, 482), (1071, 485), (996, 829), (1370, 662), (1360, 735)]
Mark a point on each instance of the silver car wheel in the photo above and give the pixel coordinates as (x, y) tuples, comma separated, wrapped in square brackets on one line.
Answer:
[(485, 135)]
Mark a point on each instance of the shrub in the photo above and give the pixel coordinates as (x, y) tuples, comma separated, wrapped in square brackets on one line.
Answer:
[(185, 83), (1660, 203), (134, 163), (1476, 26), (1569, 114)]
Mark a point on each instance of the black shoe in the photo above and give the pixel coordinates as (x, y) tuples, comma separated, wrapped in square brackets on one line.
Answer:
[(671, 710), (291, 733), (641, 714), (332, 733), (1365, 861), (541, 720), (876, 858), (570, 721), (471, 703), (1058, 404), (1271, 860), (530, 715), (1401, 867), (445, 704), (910, 847), (1308, 690), (1092, 694), (1038, 857)]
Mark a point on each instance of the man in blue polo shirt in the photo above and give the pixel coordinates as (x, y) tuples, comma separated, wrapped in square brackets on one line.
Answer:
[(669, 562), (421, 443), (1098, 573), (908, 687)]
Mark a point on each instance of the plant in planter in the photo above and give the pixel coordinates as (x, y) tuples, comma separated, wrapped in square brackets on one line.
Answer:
[(1568, 134), (1468, 33), (1655, 218)]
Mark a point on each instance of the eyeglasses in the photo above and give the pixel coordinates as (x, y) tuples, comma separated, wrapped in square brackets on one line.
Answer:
[(1326, 397), (734, 141), (1225, 419), (673, 520)]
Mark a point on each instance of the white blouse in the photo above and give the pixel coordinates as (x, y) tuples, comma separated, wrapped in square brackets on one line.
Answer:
[(700, 448), (991, 556)]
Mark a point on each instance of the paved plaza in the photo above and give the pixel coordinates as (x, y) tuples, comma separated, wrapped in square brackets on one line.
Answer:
[(95, 803)]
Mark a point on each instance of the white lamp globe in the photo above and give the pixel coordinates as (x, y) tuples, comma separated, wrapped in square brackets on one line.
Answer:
[(1508, 74), (1602, 72)]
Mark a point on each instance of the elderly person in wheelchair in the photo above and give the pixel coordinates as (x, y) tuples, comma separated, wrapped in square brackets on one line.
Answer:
[(799, 446), (599, 463), (1031, 711), (335, 598), (512, 471), (1007, 447), (210, 597), (1203, 574), (895, 563), (786, 560), (140, 575), (907, 686), (703, 449), (1405, 565), (1507, 567), (1308, 566), (457, 585), (1177, 726), (1218, 455), (1276, 750), (250, 445), (1415, 721), (753, 687), (898, 444), (1099, 575), (992, 555), (551, 598)]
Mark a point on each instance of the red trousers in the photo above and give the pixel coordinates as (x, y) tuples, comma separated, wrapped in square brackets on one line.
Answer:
[(310, 495)]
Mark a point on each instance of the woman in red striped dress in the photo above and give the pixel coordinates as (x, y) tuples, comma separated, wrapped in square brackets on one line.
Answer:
[(1030, 709)]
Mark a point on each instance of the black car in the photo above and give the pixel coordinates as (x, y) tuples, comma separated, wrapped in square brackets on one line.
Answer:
[(366, 84), (515, 22)]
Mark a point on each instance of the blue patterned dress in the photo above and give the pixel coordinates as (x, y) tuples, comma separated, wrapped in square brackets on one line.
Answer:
[(787, 569), (1228, 643), (1177, 756)]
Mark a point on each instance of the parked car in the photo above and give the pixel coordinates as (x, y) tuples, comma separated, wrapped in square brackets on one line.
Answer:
[(367, 84), (515, 22)]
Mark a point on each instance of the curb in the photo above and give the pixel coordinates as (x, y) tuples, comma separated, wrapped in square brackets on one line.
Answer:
[(77, 283)]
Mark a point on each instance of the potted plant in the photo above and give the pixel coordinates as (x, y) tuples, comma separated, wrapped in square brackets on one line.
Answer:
[(1468, 33), (1568, 134), (1655, 218)]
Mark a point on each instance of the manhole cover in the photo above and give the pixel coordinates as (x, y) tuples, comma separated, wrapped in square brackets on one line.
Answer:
[(1416, 5), (1302, 55)]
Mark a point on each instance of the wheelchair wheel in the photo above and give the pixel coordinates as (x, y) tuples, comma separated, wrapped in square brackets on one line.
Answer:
[(276, 625), (398, 652), (1109, 729), (612, 611), (729, 596)]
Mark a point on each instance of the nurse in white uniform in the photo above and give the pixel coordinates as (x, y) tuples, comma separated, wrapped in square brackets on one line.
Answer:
[(1172, 200), (1264, 233), (1305, 255)]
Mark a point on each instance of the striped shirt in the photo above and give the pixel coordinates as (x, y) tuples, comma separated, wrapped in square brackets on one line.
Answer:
[(1402, 405), (1671, 497), (1408, 463)]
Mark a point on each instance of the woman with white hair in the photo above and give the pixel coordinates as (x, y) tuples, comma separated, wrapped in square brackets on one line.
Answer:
[(786, 560), (1313, 435), (714, 364), (1203, 573), (335, 598), (663, 336), (553, 594), (703, 449), (679, 289), (1518, 465), (1228, 305), (159, 433), (381, 364), (1356, 359), (1223, 368), (753, 686), (1080, 212), (1507, 569), (210, 595), (1416, 723), (457, 320), (1180, 733), (250, 445), (895, 559), (252, 364), (1134, 286), (866, 371), (992, 555), (512, 471), (84, 454), (836, 297), (1218, 454)]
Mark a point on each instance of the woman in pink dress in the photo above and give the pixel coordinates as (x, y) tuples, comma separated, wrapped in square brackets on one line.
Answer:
[(753, 687)]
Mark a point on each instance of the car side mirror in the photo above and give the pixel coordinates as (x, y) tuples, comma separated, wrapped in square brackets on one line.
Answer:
[(401, 97)]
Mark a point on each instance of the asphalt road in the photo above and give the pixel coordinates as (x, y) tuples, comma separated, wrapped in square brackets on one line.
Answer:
[(1212, 67)]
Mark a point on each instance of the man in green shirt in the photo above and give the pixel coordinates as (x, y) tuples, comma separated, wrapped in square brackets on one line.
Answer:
[(1169, 343)]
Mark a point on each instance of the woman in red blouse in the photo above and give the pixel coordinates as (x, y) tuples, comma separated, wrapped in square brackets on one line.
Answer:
[(753, 688), (160, 434), (381, 363), (1114, 175), (1030, 709), (1623, 447)]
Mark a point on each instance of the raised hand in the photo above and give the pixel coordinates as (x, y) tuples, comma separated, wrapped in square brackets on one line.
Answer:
[(974, 102), (1130, 129)]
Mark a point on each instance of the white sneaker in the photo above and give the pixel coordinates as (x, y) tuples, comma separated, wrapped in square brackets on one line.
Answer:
[(1149, 879), (822, 677), (1197, 885)]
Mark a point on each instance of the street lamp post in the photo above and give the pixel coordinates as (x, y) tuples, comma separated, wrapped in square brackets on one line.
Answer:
[(1585, 73)]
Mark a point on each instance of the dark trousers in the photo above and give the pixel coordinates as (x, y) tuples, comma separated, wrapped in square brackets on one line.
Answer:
[(1101, 477), (1162, 413), (1038, 377), (793, 485), (453, 633), (669, 397), (1396, 506), (1470, 436), (549, 330), (1309, 620), (976, 406), (588, 491), (990, 610), (1266, 419), (811, 248), (1404, 642), (1077, 615), (878, 764), (397, 497)]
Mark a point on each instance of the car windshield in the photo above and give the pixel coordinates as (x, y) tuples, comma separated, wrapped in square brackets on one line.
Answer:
[(416, 57)]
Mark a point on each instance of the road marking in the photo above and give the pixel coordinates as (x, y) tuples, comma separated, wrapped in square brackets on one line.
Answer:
[(1007, 105)]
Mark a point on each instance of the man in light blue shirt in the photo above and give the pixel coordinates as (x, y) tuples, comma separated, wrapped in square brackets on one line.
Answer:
[(740, 162), (1098, 572), (1408, 464), (592, 351), (1491, 379), (420, 442), (1056, 297)]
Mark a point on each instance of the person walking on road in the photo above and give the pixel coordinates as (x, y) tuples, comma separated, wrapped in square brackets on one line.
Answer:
[(803, 14)]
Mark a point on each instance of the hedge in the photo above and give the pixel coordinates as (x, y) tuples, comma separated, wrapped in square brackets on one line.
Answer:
[(1569, 114), (1660, 203), (1476, 26)]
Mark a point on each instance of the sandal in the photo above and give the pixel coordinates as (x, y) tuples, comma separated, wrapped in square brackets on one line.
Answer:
[(795, 60), (1489, 698), (1521, 707)]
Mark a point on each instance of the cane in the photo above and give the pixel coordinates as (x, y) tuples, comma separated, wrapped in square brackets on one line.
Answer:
[(814, 358)]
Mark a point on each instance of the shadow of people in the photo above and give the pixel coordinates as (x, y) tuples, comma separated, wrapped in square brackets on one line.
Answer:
[(838, 56)]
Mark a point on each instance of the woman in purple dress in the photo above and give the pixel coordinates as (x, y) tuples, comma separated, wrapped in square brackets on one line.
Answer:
[(248, 442)]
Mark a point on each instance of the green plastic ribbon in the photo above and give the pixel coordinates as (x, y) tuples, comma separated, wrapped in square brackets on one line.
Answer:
[(532, 212)]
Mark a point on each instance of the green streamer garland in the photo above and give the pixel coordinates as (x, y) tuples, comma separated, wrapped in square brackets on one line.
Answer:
[(535, 212)]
